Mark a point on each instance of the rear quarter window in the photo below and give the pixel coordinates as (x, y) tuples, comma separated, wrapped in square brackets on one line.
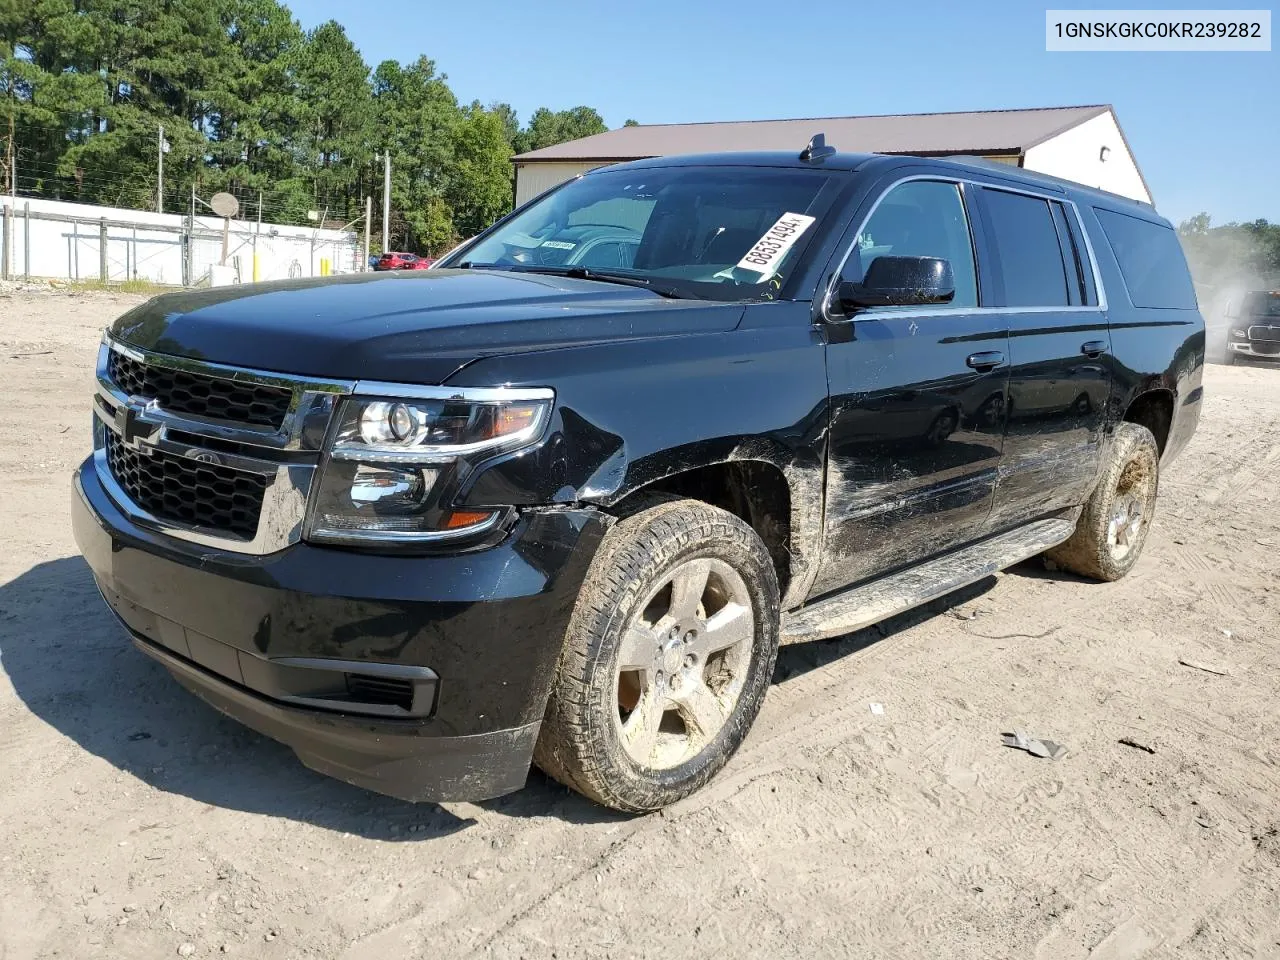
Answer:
[(1151, 261)]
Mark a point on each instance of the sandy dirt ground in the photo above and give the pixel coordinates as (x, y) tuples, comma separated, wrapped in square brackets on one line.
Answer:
[(136, 822)]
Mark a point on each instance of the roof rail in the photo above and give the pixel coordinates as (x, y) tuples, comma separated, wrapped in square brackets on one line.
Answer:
[(996, 167)]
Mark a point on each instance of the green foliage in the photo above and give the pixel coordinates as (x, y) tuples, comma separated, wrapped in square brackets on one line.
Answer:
[(479, 190), (548, 127), (1245, 254), (287, 120)]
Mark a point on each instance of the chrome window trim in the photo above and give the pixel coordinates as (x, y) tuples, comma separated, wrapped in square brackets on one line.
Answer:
[(1067, 202)]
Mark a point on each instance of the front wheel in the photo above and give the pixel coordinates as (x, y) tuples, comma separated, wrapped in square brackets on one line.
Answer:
[(1113, 527), (667, 659)]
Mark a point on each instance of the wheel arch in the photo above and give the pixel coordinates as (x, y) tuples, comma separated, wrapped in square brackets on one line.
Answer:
[(783, 504), (1153, 409)]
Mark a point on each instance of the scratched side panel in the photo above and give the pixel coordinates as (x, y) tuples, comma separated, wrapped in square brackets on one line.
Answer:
[(915, 441)]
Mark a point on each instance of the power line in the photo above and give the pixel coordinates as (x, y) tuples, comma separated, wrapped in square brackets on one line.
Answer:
[(247, 194)]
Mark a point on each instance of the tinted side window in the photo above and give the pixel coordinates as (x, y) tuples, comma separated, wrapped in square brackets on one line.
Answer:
[(1026, 243), (923, 218), (1151, 261)]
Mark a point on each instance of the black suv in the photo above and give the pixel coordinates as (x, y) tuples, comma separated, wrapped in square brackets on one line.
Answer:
[(1253, 330), (426, 528)]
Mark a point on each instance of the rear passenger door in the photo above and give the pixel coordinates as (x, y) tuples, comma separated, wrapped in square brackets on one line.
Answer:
[(1059, 377)]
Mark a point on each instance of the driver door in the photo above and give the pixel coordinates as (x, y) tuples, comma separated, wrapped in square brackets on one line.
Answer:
[(918, 399)]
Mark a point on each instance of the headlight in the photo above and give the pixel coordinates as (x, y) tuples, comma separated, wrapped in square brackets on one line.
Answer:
[(1236, 332), (395, 463)]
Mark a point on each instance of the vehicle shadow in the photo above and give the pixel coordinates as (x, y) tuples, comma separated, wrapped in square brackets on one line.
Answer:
[(72, 665)]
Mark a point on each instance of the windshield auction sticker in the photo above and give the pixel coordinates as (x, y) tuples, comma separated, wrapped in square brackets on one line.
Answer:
[(764, 257)]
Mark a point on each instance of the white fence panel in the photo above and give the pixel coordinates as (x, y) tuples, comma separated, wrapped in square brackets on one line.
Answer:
[(52, 239)]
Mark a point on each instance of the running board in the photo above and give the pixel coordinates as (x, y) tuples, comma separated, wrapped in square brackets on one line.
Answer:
[(872, 602)]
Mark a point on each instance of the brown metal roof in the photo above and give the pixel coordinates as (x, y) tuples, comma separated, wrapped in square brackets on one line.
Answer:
[(982, 131)]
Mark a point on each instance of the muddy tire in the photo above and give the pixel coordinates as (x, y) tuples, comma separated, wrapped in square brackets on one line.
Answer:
[(668, 656), (1113, 527)]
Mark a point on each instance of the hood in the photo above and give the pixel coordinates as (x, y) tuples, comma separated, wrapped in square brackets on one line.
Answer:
[(412, 327)]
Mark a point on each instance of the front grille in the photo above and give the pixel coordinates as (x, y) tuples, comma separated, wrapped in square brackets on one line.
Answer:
[(391, 691), (1266, 349), (178, 391), (183, 490), (1265, 333)]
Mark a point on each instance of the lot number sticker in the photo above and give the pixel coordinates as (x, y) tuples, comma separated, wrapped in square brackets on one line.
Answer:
[(764, 257)]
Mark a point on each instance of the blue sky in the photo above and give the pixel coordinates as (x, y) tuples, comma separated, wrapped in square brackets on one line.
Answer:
[(1205, 127)]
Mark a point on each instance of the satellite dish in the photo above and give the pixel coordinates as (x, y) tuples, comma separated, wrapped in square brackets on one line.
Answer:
[(224, 205)]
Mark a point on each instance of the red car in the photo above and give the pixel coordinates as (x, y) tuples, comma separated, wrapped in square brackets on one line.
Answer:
[(392, 260)]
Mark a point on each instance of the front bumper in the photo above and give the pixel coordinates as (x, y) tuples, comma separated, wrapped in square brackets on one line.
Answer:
[(477, 635), (1259, 350)]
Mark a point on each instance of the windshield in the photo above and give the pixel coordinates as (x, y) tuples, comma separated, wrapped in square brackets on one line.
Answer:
[(1262, 305), (722, 233)]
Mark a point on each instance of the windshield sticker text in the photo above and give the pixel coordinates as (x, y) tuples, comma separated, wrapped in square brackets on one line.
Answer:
[(764, 257), (559, 244)]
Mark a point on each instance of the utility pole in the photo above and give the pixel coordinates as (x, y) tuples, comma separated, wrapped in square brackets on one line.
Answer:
[(160, 170), (13, 161), (368, 214), (386, 201), (188, 260)]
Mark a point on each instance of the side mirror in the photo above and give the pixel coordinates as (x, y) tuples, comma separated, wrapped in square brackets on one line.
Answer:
[(900, 281)]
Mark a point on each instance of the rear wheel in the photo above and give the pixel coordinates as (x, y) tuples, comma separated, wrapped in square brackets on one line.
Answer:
[(668, 657), (1113, 527)]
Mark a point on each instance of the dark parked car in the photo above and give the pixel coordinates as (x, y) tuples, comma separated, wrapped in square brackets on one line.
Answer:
[(559, 499), (1253, 330)]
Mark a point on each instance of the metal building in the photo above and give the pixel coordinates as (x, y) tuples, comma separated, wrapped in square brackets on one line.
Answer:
[(1084, 144)]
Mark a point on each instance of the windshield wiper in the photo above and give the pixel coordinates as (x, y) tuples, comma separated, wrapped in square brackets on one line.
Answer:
[(582, 273)]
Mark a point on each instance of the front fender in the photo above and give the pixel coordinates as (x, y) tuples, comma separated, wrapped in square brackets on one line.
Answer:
[(632, 413)]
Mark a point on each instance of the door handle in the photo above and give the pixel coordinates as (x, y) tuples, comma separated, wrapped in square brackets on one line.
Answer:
[(1093, 348), (985, 360)]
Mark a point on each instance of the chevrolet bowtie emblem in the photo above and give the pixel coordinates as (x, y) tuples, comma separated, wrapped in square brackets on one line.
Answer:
[(131, 427)]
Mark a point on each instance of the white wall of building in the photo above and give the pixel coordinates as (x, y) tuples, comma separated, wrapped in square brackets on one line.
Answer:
[(533, 178), (50, 238), (1076, 154)]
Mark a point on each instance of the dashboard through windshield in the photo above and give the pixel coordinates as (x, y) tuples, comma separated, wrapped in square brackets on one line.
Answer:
[(719, 233)]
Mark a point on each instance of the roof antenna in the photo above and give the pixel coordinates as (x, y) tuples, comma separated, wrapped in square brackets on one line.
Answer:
[(817, 149)]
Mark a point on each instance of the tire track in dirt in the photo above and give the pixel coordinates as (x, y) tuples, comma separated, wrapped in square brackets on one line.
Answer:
[(1246, 472)]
